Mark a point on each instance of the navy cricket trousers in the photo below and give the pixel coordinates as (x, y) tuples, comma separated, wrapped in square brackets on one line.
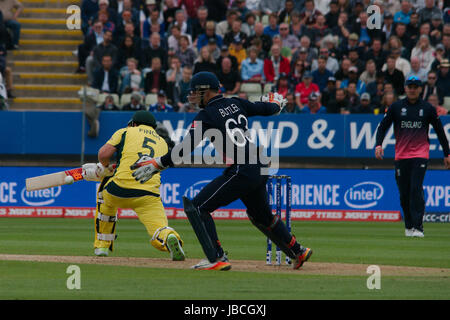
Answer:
[(409, 174)]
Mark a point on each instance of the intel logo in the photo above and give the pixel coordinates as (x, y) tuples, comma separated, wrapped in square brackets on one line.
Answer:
[(193, 190), (40, 197), (364, 195)]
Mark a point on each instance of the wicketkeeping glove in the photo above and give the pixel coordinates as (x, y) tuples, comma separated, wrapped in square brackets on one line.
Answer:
[(96, 171), (146, 167), (274, 97)]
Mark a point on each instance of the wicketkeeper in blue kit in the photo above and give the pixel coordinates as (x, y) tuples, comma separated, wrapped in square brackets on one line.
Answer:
[(243, 179)]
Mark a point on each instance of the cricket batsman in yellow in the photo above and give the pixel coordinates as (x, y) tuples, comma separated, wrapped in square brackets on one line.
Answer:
[(119, 189)]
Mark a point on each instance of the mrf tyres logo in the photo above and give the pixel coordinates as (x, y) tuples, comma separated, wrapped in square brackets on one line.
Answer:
[(363, 195), (40, 197)]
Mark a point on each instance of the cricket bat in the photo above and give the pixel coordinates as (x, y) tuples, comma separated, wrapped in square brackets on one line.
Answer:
[(54, 179), (63, 177)]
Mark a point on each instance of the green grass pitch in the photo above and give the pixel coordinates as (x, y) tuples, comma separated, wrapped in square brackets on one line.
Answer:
[(337, 242)]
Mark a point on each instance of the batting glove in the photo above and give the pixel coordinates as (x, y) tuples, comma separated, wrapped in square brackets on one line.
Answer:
[(96, 171), (274, 97), (146, 168)]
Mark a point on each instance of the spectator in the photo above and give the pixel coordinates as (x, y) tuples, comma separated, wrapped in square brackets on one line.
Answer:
[(291, 106), (271, 7), (182, 89), (394, 76), (311, 53), (439, 54), (407, 43), (321, 74), (388, 25), (235, 34), (443, 77), (94, 61), (370, 73), (275, 65), (304, 89), (248, 27), (154, 50), (128, 49), (314, 106), (343, 72), (92, 39), (205, 62), (180, 22), (289, 40), (285, 15), (155, 79), (425, 52), (272, 29), (353, 77), (241, 7), (426, 13), (106, 78), (173, 76), (152, 19), (89, 10), (108, 24), (296, 24), (237, 50), (213, 49), (203, 39), (265, 39), (169, 12), (364, 105), (436, 29), (400, 63), (135, 103), (343, 26), (417, 70), (296, 74), (376, 53), (186, 54), (434, 101), (309, 13), (108, 104), (412, 29), (198, 25), (225, 53), (131, 78), (104, 7), (340, 104), (11, 10), (252, 68), (388, 99), (352, 95), (282, 85), (161, 105), (332, 16), (223, 27), (430, 88), (329, 93), (174, 39), (128, 31), (229, 78), (253, 6), (403, 16), (331, 63)]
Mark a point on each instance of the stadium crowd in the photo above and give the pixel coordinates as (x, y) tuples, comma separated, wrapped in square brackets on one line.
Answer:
[(319, 54)]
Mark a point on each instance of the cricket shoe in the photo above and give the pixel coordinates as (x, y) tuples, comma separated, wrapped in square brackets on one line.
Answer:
[(418, 234), (409, 232), (302, 258), (175, 249), (222, 264), (101, 252)]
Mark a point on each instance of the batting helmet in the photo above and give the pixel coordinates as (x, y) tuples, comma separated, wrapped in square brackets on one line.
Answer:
[(200, 83)]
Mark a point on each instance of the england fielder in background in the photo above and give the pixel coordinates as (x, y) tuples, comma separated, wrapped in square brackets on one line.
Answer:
[(224, 121), (120, 190), (412, 117)]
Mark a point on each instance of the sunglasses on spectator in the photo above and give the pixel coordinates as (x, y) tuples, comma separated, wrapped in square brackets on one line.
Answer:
[(283, 28), (431, 78)]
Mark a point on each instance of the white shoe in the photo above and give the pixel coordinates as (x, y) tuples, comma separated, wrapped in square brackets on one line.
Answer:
[(222, 264), (101, 252), (175, 249), (409, 232), (418, 234)]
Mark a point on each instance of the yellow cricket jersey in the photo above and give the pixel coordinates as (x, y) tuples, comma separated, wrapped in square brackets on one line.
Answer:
[(131, 144)]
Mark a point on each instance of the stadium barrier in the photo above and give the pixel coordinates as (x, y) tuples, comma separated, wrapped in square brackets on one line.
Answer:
[(319, 194)]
